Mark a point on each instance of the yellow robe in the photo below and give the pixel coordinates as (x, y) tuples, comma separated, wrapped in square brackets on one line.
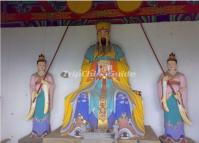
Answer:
[(121, 82)]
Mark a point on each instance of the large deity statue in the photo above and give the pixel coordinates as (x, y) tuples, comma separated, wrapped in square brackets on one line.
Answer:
[(105, 97), (42, 100)]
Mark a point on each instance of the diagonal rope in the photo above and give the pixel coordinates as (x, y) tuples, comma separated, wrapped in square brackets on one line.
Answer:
[(58, 47), (182, 110), (156, 57)]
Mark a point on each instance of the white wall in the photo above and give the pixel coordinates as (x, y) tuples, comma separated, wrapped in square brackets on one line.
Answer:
[(0, 94), (21, 46)]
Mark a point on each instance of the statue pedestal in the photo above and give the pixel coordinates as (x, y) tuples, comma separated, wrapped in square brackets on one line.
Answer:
[(29, 139), (5, 141), (189, 140), (55, 137)]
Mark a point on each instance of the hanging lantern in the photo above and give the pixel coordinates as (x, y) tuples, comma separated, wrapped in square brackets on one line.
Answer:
[(128, 6), (79, 7)]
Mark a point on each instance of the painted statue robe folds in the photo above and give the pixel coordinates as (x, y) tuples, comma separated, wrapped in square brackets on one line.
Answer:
[(40, 107), (104, 97), (173, 120)]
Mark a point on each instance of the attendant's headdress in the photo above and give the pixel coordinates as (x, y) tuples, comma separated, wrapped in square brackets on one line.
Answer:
[(172, 57), (41, 58)]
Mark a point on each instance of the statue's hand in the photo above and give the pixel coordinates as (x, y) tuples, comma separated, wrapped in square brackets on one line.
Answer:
[(166, 78), (44, 82), (178, 94)]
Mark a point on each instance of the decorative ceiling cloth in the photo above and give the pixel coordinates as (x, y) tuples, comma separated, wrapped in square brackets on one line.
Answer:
[(58, 13)]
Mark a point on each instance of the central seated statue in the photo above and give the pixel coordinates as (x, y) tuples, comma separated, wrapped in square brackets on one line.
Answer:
[(105, 98)]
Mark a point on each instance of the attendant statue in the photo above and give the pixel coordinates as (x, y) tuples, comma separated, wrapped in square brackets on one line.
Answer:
[(173, 93), (42, 100), (105, 96)]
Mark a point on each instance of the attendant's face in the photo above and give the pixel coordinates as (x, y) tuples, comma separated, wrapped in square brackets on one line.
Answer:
[(172, 65), (41, 66)]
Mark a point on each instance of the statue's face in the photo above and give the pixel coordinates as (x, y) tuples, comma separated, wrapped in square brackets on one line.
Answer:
[(172, 65), (41, 66), (104, 33), (103, 37)]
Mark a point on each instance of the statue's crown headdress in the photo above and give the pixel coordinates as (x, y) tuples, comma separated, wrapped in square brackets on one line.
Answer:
[(41, 58), (103, 26), (172, 57)]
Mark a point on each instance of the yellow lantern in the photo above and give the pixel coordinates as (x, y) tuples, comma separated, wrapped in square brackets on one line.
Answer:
[(79, 7), (128, 6)]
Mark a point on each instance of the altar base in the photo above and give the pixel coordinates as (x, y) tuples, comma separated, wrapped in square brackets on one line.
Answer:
[(55, 137)]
